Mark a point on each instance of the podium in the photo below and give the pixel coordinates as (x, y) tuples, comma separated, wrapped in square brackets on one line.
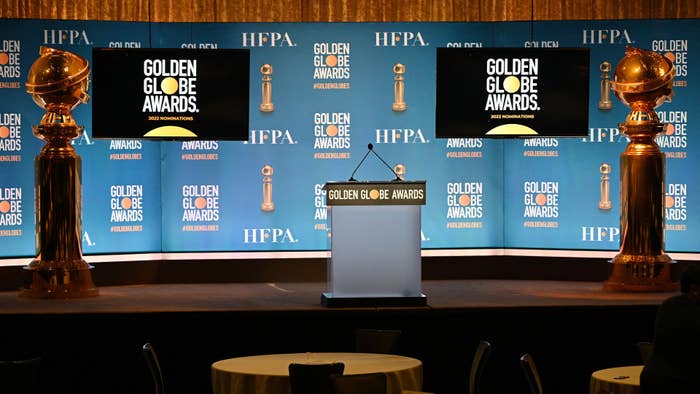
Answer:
[(375, 244)]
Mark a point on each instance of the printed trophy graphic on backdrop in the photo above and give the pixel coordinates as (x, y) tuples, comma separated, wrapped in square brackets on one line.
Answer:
[(643, 80), (605, 202), (58, 82), (605, 103), (400, 171), (399, 104), (266, 105), (267, 204)]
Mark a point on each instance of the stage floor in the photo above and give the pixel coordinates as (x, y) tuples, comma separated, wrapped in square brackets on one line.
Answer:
[(306, 296)]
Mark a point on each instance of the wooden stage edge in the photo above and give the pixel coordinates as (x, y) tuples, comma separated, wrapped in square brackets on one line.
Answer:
[(442, 295), (119, 273)]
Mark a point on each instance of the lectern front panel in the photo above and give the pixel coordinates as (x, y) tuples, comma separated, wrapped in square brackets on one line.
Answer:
[(375, 251)]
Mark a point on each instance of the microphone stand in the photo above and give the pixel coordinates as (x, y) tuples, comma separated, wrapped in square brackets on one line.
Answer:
[(352, 176), (370, 149)]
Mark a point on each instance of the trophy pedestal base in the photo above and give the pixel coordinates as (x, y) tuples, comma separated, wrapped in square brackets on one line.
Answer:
[(398, 107), (331, 301), (58, 283), (635, 274)]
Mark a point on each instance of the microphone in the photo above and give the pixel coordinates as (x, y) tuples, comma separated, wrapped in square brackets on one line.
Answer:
[(352, 179), (398, 178)]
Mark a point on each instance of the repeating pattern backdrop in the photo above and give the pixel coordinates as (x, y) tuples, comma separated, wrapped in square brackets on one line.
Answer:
[(332, 90)]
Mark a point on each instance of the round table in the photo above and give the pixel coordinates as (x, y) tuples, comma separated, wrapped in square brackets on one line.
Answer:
[(619, 380), (269, 373)]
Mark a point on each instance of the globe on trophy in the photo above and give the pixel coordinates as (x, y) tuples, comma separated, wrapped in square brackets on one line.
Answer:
[(266, 105), (58, 82), (643, 80)]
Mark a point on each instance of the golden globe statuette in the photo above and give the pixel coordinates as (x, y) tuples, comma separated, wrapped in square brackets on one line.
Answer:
[(399, 104), (643, 80), (605, 103), (58, 81), (267, 204), (266, 105), (400, 171), (604, 203)]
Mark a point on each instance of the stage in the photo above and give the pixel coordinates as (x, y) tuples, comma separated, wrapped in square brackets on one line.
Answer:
[(93, 345), (442, 296)]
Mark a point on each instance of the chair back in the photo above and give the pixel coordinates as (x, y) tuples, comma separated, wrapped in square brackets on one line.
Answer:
[(645, 349), (369, 340), (20, 376), (154, 366), (313, 378), (531, 374), (368, 383), (483, 350)]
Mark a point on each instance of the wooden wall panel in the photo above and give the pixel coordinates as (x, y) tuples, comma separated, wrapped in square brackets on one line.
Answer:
[(177, 11), (259, 11), (505, 10), (456, 10), (391, 11), (226, 11), (347, 10), (620, 9), (676, 9), (369, 10), (562, 9), (132, 10)]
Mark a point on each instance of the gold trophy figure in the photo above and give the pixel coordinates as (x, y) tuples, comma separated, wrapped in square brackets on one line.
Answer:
[(643, 80), (400, 171), (399, 104), (605, 103), (267, 204), (58, 81), (605, 202), (266, 105)]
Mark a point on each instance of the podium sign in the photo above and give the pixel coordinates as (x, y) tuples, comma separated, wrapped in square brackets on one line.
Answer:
[(375, 244)]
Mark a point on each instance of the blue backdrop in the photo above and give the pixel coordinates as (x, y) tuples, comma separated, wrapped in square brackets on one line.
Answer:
[(332, 90)]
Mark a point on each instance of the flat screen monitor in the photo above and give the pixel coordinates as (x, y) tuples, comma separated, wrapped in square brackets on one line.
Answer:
[(511, 92), (170, 94)]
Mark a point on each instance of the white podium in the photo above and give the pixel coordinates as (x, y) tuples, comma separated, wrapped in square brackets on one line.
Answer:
[(375, 244)]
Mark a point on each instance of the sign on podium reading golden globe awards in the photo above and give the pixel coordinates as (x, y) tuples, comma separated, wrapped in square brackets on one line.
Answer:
[(375, 193)]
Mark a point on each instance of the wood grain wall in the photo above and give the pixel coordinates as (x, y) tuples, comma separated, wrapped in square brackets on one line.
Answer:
[(347, 10)]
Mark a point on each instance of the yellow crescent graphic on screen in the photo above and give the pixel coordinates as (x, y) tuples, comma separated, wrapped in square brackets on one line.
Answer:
[(511, 129), (170, 131)]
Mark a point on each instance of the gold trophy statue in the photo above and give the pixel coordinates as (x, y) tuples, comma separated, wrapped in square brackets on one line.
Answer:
[(58, 82), (604, 203), (643, 80), (266, 105), (604, 103), (400, 171), (267, 205), (399, 104)]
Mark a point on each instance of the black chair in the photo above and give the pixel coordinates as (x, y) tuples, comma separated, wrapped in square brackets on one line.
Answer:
[(20, 376), (531, 374), (645, 349), (368, 383), (313, 378), (369, 340), (154, 366), (483, 350)]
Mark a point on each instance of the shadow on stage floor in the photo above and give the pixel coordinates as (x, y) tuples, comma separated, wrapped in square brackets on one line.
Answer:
[(93, 345)]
